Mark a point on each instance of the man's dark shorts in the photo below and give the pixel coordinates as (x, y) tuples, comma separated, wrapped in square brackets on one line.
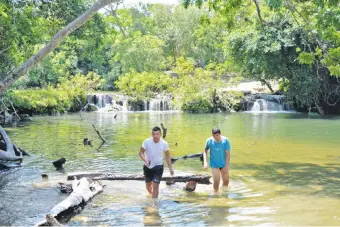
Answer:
[(154, 174)]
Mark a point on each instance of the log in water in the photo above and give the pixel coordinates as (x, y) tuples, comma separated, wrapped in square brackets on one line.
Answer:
[(200, 179), (82, 192)]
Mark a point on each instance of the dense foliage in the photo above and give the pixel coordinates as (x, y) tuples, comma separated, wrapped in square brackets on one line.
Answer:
[(209, 44), (69, 95)]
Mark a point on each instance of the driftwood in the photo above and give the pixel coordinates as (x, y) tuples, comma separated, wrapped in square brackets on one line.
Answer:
[(100, 136), (9, 154), (198, 155), (82, 192), (52, 221), (18, 151), (164, 130), (65, 188), (200, 179)]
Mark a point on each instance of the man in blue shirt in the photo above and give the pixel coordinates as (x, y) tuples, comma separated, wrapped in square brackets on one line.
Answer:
[(219, 147)]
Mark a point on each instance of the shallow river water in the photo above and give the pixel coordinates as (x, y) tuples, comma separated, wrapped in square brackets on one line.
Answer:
[(285, 170)]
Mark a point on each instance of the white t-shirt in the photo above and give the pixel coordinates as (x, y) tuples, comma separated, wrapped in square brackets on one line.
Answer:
[(154, 151)]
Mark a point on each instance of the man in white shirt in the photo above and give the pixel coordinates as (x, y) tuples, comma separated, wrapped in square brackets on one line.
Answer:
[(151, 153)]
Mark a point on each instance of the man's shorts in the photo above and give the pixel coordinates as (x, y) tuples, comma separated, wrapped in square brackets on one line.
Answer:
[(154, 174)]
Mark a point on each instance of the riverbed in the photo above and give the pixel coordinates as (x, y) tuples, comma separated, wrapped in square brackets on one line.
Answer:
[(285, 169)]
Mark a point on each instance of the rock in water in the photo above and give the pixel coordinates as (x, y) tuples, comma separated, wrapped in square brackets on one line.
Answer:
[(190, 186), (59, 163)]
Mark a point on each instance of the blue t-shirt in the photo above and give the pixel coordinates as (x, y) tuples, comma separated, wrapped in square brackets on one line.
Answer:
[(217, 151)]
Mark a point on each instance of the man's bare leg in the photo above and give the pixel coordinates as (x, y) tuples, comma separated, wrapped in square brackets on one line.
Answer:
[(155, 190), (149, 187), (216, 178), (225, 176)]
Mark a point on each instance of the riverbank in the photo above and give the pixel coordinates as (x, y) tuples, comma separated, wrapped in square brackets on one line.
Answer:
[(243, 97)]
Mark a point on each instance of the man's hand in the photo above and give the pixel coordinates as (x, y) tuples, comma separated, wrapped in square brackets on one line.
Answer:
[(146, 162), (172, 173), (205, 166)]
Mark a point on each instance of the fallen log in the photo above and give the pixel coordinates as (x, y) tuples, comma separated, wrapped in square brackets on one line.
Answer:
[(200, 179), (19, 151), (198, 155), (52, 221), (65, 188), (82, 192), (8, 155)]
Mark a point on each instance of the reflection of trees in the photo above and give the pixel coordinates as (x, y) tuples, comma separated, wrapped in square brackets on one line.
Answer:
[(326, 177)]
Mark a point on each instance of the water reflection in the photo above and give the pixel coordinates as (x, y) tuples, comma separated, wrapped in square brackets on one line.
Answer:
[(151, 214)]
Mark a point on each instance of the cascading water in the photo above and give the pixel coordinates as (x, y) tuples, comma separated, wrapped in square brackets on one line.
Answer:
[(266, 103), (159, 105), (122, 103)]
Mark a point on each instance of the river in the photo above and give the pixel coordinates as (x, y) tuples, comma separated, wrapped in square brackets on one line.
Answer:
[(285, 170)]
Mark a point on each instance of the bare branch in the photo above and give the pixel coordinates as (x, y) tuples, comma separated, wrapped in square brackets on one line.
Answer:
[(100, 136), (55, 41), (4, 50), (114, 14), (259, 11)]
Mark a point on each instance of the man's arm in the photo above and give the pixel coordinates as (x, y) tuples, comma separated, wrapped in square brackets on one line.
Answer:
[(227, 157), (142, 156), (227, 151), (168, 160), (205, 163)]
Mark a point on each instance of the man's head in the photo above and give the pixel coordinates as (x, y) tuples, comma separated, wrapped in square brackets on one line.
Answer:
[(156, 134), (216, 133)]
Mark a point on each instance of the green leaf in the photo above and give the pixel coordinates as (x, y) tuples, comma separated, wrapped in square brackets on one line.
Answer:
[(306, 58)]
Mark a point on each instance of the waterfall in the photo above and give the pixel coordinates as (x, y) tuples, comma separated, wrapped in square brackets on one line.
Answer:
[(117, 102), (266, 103), (100, 100), (159, 105), (125, 106), (145, 107)]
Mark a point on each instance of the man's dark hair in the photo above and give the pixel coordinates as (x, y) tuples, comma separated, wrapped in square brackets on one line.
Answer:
[(156, 128), (216, 130)]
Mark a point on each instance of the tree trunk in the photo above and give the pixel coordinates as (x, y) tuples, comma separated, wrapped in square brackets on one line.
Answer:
[(9, 154), (200, 179), (55, 41), (82, 192), (256, 2), (268, 85)]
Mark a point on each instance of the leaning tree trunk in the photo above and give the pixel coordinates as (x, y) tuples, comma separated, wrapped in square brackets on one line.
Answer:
[(9, 154), (55, 41)]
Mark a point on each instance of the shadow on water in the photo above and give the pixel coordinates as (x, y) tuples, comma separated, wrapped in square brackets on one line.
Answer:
[(320, 179)]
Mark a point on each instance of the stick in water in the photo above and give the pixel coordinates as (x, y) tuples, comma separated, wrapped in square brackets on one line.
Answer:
[(100, 136)]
